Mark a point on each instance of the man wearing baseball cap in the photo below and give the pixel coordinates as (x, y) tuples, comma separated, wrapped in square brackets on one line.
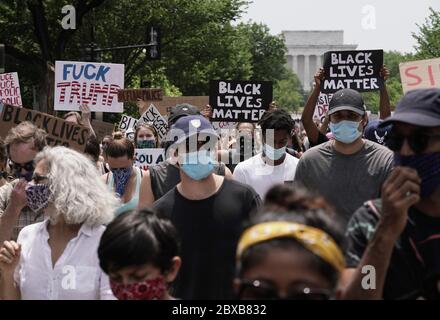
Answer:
[(164, 176), (347, 170), (208, 212), (399, 234)]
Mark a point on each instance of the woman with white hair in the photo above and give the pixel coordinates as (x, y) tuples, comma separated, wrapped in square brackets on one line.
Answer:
[(57, 259)]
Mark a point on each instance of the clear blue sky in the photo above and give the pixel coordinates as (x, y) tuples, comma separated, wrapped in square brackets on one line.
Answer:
[(395, 19)]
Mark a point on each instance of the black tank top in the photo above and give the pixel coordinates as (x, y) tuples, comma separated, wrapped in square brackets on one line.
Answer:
[(165, 176)]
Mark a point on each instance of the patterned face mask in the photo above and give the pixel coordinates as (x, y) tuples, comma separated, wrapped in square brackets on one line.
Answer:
[(153, 289), (121, 177), (37, 196)]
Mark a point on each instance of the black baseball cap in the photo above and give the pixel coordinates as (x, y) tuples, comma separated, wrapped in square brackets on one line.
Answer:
[(182, 110), (347, 99), (420, 107)]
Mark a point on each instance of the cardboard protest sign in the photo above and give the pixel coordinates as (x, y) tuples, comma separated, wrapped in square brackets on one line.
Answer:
[(153, 116), (321, 107), (91, 83), (420, 74), (239, 101), (149, 157), (126, 95), (59, 131), (127, 122), (10, 89), (358, 70), (167, 102), (102, 129)]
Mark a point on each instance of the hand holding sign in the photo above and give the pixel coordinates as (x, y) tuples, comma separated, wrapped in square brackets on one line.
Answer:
[(239, 101), (358, 70), (95, 84), (319, 76)]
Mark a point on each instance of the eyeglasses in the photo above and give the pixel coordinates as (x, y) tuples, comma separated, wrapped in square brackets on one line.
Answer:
[(258, 290), (37, 178), (28, 166), (418, 141)]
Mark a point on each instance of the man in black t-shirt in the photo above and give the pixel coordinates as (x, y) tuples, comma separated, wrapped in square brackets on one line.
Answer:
[(398, 236), (208, 212)]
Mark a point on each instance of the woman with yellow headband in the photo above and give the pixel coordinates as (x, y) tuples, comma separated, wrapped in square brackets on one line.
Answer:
[(295, 256)]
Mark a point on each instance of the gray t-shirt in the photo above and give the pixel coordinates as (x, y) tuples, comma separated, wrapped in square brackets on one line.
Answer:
[(345, 181)]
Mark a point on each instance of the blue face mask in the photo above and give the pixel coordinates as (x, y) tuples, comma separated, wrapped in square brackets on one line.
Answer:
[(146, 144), (427, 166), (121, 177), (197, 165), (274, 154), (345, 131)]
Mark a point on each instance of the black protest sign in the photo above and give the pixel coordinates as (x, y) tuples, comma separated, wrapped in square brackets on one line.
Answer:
[(358, 70), (59, 131), (239, 101)]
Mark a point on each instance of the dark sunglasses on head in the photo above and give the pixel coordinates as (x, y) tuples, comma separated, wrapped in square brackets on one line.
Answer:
[(256, 290), (28, 166), (418, 141)]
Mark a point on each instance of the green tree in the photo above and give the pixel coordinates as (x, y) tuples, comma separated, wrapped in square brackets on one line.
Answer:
[(428, 37), (288, 93), (394, 85)]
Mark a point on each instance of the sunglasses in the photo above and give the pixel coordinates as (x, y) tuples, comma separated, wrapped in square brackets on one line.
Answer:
[(28, 166), (37, 178), (257, 290), (418, 141)]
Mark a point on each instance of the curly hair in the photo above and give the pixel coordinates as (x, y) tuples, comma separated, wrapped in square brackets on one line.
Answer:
[(77, 190), (25, 132)]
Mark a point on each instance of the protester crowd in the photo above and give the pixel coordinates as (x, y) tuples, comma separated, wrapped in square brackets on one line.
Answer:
[(278, 209)]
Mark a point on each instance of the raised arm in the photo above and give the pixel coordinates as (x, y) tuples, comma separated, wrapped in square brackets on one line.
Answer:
[(399, 192), (384, 104), (307, 115)]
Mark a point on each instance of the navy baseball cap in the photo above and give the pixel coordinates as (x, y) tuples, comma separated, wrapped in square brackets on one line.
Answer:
[(420, 107), (181, 110), (374, 132), (188, 126), (347, 99)]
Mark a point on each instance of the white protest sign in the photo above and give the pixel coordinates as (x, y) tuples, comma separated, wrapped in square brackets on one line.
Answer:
[(321, 107), (127, 123), (153, 116), (91, 83), (149, 157), (10, 89)]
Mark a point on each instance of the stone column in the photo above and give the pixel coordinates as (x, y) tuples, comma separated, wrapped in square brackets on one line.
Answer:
[(295, 64), (306, 73)]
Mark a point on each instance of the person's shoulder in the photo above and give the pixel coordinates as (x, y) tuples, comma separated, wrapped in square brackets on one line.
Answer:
[(30, 231), (317, 150), (235, 186), (248, 164), (291, 159), (166, 199), (377, 148), (369, 212)]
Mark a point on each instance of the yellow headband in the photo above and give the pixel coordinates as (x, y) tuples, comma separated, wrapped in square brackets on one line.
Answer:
[(315, 240)]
